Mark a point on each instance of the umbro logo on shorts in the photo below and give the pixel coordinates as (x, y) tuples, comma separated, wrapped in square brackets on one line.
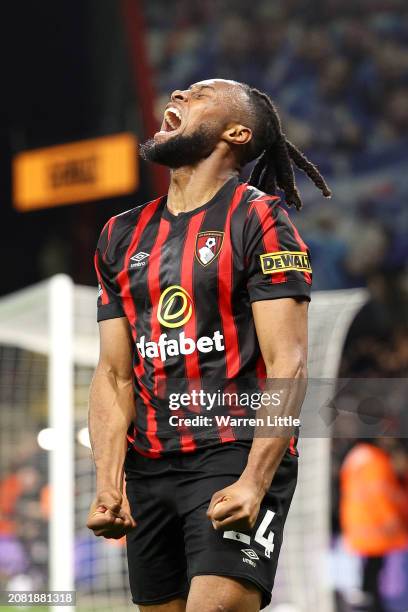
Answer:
[(249, 553), (252, 556)]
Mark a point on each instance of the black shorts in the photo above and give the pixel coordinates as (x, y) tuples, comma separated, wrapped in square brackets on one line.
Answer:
[(174, 540)]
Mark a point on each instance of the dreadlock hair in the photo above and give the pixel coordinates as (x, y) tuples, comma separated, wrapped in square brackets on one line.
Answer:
[(275, 153)]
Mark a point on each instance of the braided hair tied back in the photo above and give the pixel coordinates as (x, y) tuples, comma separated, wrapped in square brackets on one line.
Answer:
[(276, 154)]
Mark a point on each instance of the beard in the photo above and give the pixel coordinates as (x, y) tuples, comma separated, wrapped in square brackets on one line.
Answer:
[(181, 150)]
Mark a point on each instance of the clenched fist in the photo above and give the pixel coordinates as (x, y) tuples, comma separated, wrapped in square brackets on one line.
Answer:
[(235, 507), (109, 515)]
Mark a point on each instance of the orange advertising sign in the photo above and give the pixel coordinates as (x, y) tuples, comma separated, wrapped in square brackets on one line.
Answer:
[(75, 172)]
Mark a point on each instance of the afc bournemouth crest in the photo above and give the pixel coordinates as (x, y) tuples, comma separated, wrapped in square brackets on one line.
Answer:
[(208, 246)]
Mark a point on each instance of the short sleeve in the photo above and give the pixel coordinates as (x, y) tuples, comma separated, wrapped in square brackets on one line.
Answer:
[(278, 261), (109, 304)]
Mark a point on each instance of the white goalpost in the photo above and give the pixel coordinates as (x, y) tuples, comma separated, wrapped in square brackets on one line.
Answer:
[(61, 422), (48, 350)]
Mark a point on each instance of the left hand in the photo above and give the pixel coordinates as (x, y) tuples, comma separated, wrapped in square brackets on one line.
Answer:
[(236, 507)]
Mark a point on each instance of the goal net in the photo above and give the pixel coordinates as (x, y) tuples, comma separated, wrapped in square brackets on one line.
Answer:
[(46, 487)]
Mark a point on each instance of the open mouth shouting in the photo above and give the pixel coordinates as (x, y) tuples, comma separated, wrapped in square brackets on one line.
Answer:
[(171, 121)]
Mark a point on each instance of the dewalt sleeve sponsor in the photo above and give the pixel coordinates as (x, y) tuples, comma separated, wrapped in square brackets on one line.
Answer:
[(284, 261), (278, 261)]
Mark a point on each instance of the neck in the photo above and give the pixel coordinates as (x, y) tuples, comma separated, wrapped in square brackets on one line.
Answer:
[(193, 186)]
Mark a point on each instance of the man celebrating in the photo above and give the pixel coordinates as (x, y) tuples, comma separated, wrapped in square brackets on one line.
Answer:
[(212, 282)]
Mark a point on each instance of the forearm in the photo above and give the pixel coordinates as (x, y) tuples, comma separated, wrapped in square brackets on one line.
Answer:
[(111, 410), (266, 451)]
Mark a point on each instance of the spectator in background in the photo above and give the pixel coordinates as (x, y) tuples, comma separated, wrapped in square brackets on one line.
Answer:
[(13, 559), (368, 246), (377, 342), (374, 508), (32, 523), (24, 517), (329, 253)]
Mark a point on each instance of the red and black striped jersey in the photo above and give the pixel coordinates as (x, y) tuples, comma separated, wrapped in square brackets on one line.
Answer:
[(186, 284)]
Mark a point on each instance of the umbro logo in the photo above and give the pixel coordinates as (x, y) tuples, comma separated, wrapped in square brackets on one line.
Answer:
[(139, 259), (249, 553), (252, 556), (139, 256)]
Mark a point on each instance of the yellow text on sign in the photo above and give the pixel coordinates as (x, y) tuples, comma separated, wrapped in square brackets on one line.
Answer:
[(75, 172)]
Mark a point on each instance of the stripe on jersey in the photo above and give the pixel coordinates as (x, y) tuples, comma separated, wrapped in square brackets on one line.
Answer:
[(270, 237), (104, 296), (107, 230), (111, 223), (232, 354), (154, 293), (129, 305), (159, 372), (302, 245), (225, 266), (292, 446), (191, 363), (123, 278)]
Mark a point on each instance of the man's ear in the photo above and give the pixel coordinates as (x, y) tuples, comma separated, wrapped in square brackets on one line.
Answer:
[(237, 134)]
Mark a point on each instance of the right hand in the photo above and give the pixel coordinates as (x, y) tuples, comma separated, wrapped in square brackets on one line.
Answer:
[(109, 515)]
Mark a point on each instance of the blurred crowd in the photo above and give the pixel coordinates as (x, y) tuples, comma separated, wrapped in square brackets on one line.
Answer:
[(338, 73), (24, 511)]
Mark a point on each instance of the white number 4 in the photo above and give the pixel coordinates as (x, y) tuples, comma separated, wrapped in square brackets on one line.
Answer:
[(260, 533)]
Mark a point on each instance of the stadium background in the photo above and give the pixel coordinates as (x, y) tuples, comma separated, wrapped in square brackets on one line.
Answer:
[(338, 72)]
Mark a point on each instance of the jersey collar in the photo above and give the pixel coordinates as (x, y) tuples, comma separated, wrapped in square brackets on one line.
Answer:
[(224, 194)]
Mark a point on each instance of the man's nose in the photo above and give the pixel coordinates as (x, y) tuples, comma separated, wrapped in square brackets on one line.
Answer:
[(179, 96)]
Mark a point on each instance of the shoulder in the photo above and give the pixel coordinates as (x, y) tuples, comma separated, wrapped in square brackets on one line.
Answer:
[(254, 195), (254, 200), (118, 230), (126, 221), (255, 212), (250, 206), (258, 211)]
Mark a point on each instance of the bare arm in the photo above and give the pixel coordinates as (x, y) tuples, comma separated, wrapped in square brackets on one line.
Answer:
[(284, 350), (111, 410), (281, 327)]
